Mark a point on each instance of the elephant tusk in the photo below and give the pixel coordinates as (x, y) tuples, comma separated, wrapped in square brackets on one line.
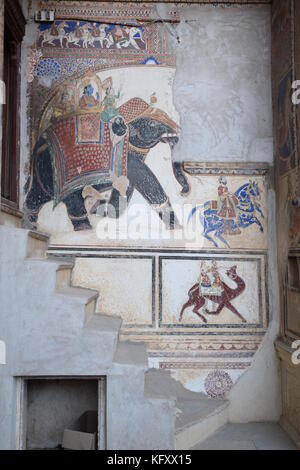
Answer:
[(168, 135), (170, 139)]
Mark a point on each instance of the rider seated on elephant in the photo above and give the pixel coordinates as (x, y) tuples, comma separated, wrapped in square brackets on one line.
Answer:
[(227, 204), (88, 100), (109, 104)]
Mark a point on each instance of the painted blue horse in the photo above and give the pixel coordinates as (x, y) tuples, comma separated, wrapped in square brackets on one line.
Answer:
[(248, 211)]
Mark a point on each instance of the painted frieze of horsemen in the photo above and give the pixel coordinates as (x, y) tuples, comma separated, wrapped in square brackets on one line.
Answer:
[(85, 34), (230, 213), (87, 142)]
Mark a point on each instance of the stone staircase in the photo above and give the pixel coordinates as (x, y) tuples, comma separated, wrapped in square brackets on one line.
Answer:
[(52, 329)]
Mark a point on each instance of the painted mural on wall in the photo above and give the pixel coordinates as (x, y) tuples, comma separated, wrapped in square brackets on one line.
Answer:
[(102, 134), (102, 127), (231, 213), (85, 138), (84, 34), (209, 316)]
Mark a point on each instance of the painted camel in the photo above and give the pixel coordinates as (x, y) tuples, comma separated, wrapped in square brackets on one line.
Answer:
[(224, 300)]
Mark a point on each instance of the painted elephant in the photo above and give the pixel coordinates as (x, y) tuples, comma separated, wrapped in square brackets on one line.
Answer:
[(55, 176)]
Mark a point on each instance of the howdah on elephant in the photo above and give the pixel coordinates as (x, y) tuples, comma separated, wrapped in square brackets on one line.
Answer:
[(81, 150)]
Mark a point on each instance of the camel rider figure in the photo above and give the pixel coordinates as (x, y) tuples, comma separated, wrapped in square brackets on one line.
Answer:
[(210, 283), (227, 208)]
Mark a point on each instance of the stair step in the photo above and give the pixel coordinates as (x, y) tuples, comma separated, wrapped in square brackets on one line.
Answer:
[(45, 272), (37, 244), (19, 243), (87, 297), (104, 323), (196, 421), (39, 235), (64, 275), (130, 353), (10, 217)]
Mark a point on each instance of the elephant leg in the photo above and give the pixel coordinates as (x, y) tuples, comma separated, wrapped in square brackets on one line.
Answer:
[(142, 178), (181, 178), (116, 205), (34, 201), (39, 186), (77, 212)]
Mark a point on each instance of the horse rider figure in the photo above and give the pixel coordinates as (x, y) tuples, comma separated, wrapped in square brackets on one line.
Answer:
[(227, 208)]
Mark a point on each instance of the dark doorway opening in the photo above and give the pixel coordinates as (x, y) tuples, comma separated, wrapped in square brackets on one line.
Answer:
[(58, 412)]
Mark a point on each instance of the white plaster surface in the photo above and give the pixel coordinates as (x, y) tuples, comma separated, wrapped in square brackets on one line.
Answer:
[(222, 88), (124, 285)]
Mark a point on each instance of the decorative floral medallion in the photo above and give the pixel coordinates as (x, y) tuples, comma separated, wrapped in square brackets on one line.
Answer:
[(218, 383)]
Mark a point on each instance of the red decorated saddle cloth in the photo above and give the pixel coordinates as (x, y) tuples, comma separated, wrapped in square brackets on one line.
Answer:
[(82, 154)]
